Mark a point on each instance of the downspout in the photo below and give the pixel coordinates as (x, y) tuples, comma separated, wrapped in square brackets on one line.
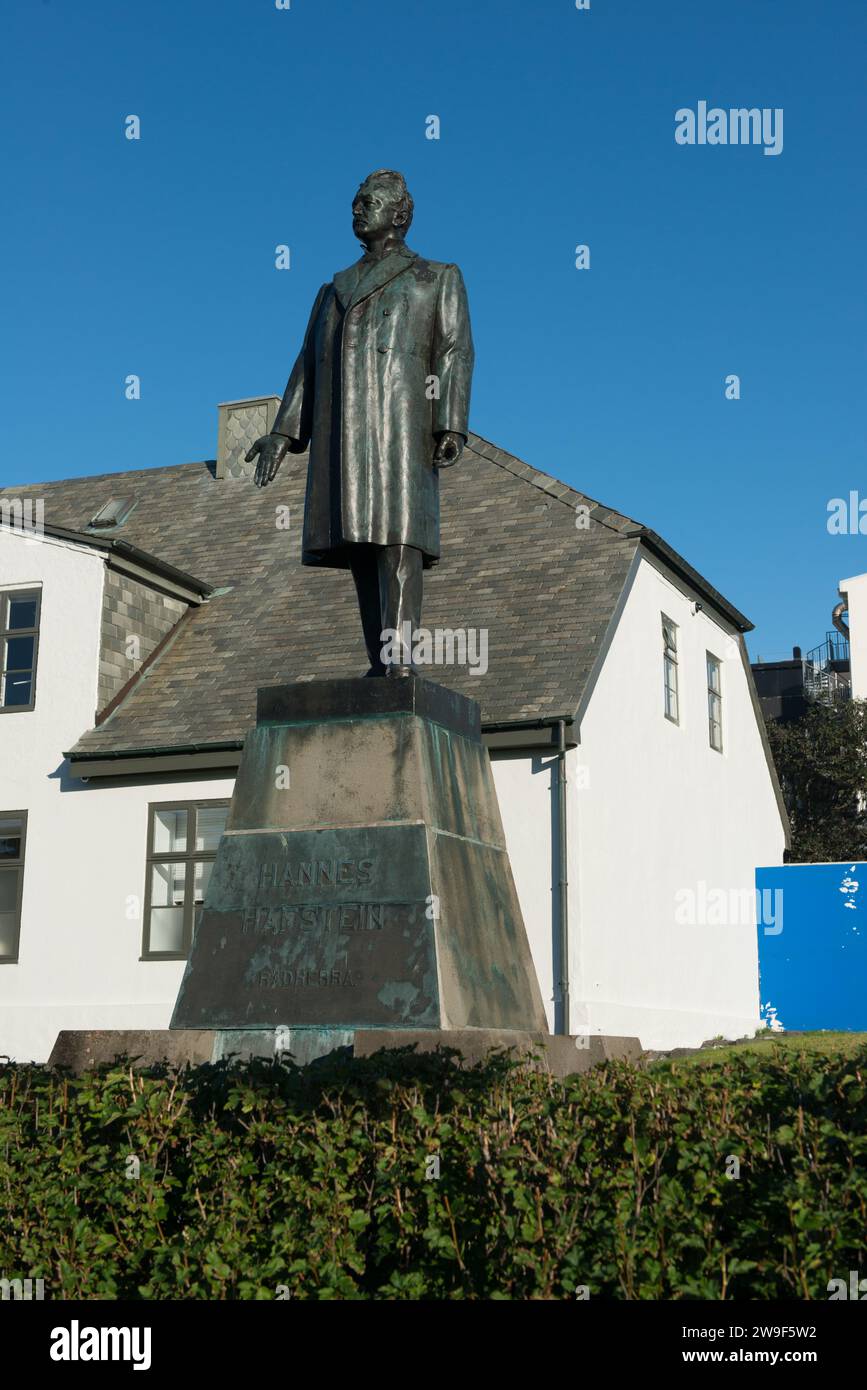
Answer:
[(563, 884)]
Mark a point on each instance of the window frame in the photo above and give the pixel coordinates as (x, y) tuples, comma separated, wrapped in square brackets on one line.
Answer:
[(6, 596), (675, 664), (714, 694), (18, 866), (190, 857)]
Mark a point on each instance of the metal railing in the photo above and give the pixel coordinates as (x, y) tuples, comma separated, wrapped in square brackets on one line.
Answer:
[(826, 670)]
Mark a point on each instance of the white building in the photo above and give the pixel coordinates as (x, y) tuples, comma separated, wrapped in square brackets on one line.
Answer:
[(617, 705), (853, 593)]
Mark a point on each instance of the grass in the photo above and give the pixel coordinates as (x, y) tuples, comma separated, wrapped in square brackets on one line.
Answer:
[(770, 1045)]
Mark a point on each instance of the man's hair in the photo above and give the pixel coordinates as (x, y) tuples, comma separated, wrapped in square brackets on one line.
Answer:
[(402, 195)]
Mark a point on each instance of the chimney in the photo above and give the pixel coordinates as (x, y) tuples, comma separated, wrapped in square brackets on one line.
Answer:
[(239, 424)]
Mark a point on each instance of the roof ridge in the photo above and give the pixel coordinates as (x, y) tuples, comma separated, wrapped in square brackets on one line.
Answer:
[(563, 492), (99, 477)]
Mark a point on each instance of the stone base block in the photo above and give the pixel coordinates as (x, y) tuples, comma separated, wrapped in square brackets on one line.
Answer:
[(557, 1053), (363, 880), (80, 1051)]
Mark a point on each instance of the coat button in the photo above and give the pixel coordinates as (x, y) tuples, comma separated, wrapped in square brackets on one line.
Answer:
[(386, 312)]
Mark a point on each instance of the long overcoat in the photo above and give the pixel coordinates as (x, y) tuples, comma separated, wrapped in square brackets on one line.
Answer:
[(386, 367)]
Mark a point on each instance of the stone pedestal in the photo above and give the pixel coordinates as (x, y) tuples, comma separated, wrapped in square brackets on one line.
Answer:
[(81, 1051), (363, 880)]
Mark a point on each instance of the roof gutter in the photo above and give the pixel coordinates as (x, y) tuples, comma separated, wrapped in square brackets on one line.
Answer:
[(153, 762), (157, 750), (511, 735), (519, 735), (123, 555)]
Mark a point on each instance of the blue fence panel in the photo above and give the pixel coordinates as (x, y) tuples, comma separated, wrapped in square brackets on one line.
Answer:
[(812, 926)]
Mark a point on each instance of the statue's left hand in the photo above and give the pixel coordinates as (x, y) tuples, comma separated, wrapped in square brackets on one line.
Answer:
[(448, 450)]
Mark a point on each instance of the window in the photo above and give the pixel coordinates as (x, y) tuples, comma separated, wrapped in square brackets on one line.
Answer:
[(669, 669), (182, 845), (19, 631), (112, 515), (714, 702), (13, 827)]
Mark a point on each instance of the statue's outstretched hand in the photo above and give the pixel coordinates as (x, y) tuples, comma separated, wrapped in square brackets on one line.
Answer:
[(271, 450), (448, 450)]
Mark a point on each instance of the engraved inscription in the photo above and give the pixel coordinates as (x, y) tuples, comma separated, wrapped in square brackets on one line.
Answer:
[(316, 928), (292, 917), (279, 977), (316, 873)]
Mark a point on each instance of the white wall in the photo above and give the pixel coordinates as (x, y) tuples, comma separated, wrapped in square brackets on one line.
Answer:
[(526, 791), (855, 592), (84, 872), (664, 812), (81, 932)]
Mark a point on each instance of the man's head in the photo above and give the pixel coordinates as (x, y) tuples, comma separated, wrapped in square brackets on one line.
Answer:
[(382, 207)]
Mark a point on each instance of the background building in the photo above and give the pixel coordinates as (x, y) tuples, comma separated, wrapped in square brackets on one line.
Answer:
[(140, 611)]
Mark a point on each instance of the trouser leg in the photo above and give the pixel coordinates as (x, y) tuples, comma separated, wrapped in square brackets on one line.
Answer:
[(401, 573), (365, 572), (388, 582)]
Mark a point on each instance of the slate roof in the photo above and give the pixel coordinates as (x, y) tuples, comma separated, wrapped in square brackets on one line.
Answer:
[(514, 562)]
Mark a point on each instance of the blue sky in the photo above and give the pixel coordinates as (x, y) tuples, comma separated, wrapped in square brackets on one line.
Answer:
[(156, 256)]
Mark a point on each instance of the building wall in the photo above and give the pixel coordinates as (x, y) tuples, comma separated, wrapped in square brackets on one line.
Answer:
[(527, 793), (131, 610), (84, 872), (661, 815), (855, 591), (80, 960), (31, 744)]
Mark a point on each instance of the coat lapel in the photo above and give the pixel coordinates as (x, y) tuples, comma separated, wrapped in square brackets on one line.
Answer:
[(365, 277), (346, 280)]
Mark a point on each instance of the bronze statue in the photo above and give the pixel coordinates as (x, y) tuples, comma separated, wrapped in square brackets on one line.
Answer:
[(380, 392)]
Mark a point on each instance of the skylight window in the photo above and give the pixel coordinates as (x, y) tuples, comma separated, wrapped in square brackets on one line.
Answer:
[(113, 514)]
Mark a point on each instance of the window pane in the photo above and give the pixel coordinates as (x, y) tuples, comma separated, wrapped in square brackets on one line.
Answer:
[(170, 832), (715, 721), (17, 686), (210, 824), (168, 883), (8, 889), (201, 879), (8, 934), (670, 686), (9, 881), (22, 612), (166, 930), (167, 907), (19, 654), (10, 838)]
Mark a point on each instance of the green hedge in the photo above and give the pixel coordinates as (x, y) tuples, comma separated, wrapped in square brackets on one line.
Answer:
[(256, 1176)]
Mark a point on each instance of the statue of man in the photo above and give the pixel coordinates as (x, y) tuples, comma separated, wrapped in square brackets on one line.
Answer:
[(380, 392)]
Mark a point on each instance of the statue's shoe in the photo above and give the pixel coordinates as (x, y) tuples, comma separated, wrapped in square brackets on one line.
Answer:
[(397, 672)]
